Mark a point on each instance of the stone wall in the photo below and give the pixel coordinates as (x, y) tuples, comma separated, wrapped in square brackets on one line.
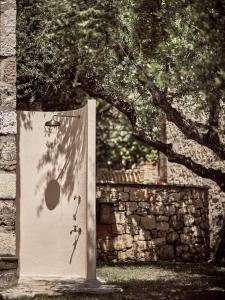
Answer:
[(152, 222), (178, 174), (7, 128)]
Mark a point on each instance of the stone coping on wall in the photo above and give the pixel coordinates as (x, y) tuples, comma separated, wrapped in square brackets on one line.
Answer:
[(154, 185)]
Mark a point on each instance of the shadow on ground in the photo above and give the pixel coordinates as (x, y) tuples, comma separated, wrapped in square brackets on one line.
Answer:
[(159, 281)]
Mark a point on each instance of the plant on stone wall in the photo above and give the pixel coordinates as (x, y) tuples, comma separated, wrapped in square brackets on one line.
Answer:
[(145, 58)]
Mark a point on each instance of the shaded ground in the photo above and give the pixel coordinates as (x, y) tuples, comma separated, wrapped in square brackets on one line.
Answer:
[(159, 281)]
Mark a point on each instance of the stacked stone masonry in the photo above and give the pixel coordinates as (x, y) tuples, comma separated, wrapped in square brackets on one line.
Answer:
[(178, 174), (152, 222), (7, 131)]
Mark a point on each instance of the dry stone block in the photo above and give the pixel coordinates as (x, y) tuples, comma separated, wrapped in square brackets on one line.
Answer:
[(158, 209), (134, 220), (144, 205), (105, 214), (162, 226), (141, 245), (122, 206), (172, 237), (160, 241), (185, 238), (7, 186), (118, 229), (176, 222), (189, 220), (7, 122), (148, 222), (162, 218), (124, 196), (7, 148), (166, 252), (7, 244), (7, 97), (198, 203), (119, 217), (144, 235), (8, 27), (7, 215), (181, 248), (106, 245), (8, 70), (138, 194), (170, 210), (126, 255), (131, 207), (197, 232), (121, 242)]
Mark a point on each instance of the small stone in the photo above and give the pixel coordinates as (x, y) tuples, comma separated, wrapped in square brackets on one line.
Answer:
[(122, 206), (144, 205), (189, 220), (196, 231), (124, 196), (162, 226), (198, 203), (185, 239), (148, 222), (162, 218)]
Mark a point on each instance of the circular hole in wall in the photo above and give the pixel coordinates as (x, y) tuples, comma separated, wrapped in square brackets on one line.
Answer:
[(52, 194)]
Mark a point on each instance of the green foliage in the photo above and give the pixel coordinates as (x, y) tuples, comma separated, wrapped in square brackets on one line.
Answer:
[(178, 43), (116, 147)]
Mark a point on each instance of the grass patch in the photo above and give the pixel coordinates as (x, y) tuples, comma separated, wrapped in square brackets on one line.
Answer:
[(159, 281)]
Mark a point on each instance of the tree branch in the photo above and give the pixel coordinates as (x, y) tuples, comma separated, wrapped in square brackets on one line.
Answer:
[(97, 91), (211, 140), (216, 175)]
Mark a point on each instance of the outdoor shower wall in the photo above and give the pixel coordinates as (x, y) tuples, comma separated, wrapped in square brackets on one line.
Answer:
[(138, 222), (53, 177)]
